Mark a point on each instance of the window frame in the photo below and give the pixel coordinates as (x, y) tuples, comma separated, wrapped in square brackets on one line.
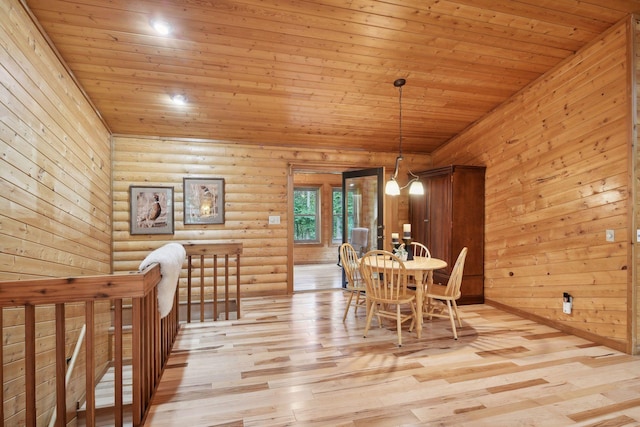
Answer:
[(334, 240), (318, 214)]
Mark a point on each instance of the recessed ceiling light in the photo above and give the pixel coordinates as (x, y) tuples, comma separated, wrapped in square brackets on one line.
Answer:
[(179, 99), (161, 27)]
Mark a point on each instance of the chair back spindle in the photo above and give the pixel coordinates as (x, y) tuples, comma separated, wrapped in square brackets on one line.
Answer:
[(420, 250)]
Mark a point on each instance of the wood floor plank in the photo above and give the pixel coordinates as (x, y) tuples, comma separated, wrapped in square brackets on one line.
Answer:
[(618, 421), (291, 361)]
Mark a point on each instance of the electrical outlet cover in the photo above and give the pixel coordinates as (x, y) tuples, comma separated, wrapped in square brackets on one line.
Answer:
[(610, 235)]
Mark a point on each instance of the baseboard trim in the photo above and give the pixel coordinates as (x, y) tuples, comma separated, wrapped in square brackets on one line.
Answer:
[(616, 345)]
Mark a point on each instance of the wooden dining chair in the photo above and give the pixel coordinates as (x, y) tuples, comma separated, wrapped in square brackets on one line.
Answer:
[(446, 295), (420, 250), (385, 277), (355, 285)]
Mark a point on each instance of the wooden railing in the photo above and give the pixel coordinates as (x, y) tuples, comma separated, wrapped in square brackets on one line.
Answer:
[(153, 337), (219, 254)]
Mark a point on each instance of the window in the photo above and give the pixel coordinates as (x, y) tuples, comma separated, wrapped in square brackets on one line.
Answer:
[(306, 215), (336, 215)]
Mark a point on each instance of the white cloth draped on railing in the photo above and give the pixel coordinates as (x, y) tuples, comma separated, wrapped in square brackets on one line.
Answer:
[(170, 257)]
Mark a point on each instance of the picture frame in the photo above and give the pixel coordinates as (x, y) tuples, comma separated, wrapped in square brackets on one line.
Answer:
[(151, 210), (203, 201)]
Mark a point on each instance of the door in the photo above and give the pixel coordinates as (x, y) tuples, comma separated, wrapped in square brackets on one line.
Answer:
[(430, 214), (363, 209), (439, 214)]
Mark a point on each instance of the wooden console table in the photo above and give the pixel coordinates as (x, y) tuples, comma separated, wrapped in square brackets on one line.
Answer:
[(214, 250)]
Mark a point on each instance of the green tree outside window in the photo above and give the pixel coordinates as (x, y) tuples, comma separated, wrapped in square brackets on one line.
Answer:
[(306, 215)]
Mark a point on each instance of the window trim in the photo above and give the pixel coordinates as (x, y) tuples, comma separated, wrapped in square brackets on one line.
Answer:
[(333, 241), (318, 215)]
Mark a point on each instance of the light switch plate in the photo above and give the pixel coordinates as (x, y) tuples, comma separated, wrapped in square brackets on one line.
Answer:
[(610, 235), (274, 219)]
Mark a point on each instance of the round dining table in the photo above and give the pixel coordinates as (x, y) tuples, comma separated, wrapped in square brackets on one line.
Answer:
[(421, 268)]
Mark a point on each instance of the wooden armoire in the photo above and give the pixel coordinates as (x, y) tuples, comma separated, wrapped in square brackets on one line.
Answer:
[(450, 216)]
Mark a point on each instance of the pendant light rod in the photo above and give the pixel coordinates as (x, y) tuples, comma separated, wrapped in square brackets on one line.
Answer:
[(392, 188), (399, 83)]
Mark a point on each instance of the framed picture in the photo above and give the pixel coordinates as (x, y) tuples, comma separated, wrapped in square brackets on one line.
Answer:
[(151, 210), (203, 201)]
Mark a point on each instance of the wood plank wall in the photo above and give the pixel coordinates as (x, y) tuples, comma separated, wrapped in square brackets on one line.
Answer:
[(557, 158), (634, 285), (55, 199), (256, 185)]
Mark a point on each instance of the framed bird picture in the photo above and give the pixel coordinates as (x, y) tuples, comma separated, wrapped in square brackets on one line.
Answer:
[(203, 201), (151, 210)]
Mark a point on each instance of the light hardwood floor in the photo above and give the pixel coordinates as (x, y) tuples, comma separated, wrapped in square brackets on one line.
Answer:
[(291, 361), (316, 277)]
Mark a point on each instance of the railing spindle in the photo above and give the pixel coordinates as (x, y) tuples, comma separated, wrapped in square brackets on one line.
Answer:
[(136, 362), (30, 362), (226, 286), (2, 370), (202, 288), (61, 368), (215, 287), (189, 267), (215, 250), (118, 365), (90, 376)]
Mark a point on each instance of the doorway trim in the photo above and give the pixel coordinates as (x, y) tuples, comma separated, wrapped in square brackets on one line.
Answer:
[(292, 169)]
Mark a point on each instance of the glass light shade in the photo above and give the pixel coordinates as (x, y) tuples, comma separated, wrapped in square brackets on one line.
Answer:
[(392, 188), (416, 188), (161, 27), (179, 99)]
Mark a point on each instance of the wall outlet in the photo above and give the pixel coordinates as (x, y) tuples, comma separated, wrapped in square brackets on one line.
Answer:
[(274, 219), (610, 235), (567, 303)]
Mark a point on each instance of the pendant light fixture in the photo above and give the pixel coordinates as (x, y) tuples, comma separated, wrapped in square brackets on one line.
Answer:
[(392, 188)]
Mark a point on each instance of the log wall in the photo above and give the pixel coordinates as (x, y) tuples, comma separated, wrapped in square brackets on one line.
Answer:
[(633, 291), (558, 176), (55, 201), (256, 186)]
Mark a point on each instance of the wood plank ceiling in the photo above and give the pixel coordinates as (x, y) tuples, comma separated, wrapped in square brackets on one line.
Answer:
[(314, 73)]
